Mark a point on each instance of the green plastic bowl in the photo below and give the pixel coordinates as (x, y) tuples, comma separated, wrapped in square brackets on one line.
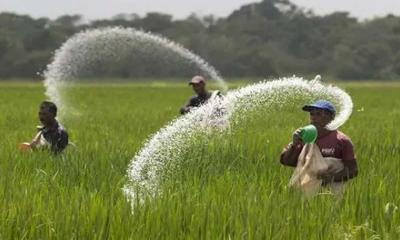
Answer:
[(309, 134)]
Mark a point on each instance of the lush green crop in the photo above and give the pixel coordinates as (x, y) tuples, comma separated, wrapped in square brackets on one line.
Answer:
[(230, 186)]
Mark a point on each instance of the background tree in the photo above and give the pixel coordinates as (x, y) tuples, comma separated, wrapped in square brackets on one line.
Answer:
[(270, 38)]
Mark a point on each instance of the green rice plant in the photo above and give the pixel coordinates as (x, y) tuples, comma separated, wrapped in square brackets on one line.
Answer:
[(227, 186)]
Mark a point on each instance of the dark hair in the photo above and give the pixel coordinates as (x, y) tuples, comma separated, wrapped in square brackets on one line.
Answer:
[(51, 107)]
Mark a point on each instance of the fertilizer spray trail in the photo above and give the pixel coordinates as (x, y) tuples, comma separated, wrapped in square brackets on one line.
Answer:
[(167, 145), (82, 52)]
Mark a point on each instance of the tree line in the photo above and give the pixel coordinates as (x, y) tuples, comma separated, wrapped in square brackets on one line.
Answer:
[(267, 39)]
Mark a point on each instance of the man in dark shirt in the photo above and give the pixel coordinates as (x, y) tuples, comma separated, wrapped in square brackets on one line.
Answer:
[(331, 143), (51, 134), (198, 84)]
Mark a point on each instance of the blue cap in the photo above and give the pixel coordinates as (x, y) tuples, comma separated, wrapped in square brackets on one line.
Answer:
[(320, 104)]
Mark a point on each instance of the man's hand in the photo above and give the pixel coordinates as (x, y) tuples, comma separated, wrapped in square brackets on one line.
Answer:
[(24, 147), (297, 137), (328, 175)]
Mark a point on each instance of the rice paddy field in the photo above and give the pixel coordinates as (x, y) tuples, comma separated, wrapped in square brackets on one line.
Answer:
[(226, 186)]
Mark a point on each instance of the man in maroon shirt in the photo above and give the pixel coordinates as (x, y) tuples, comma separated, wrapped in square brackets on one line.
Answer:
[(331, 143)]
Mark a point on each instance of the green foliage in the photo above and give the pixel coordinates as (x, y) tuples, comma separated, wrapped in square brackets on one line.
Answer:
[(230, 186), (266, 39)]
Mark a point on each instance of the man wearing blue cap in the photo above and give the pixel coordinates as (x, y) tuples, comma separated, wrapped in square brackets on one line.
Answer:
[(331, 143)]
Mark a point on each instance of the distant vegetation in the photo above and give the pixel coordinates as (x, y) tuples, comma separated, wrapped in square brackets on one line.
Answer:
[(267, 39)]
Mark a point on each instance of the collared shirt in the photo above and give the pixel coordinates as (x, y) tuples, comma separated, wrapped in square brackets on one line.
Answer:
[(56, 137)]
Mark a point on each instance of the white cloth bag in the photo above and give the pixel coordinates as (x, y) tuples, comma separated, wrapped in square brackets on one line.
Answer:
[(309, 165)]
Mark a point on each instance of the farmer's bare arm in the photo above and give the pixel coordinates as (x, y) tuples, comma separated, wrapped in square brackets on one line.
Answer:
[(290, 154)]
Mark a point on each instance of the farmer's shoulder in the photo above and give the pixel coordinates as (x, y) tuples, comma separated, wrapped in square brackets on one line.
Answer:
[(342, 137), (61, 129)]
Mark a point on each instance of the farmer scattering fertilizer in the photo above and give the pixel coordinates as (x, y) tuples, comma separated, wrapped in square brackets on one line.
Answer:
[(322, 156), (51, 135)]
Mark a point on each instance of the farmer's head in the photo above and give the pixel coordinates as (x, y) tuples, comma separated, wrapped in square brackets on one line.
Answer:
[(198, 84), (321, 112), (47, 113)]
